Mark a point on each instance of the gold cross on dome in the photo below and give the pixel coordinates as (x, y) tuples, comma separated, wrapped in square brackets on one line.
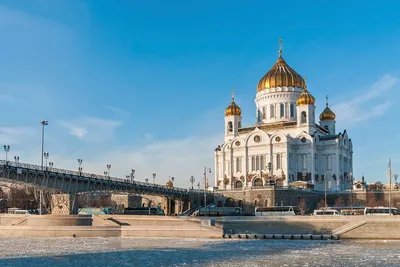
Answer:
[(280, 46), (233, 94)]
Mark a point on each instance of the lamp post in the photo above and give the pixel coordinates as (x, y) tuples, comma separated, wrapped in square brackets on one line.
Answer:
[(172, 180), (80, 166), (154, 178), (43, 123), (205, 185), (192, 180), (108, 171), (146, 180), (325, 178), (51, 164), (6, 150), (16, 158), (395, 179), (198, 194), (46, 156)]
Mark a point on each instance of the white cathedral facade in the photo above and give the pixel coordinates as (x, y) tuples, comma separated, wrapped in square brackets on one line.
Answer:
[(287, 146)]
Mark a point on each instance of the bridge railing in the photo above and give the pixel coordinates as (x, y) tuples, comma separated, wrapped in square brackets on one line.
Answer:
[(87, 175)]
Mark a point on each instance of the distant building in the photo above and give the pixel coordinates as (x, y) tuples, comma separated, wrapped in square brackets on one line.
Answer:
[(287, 146)]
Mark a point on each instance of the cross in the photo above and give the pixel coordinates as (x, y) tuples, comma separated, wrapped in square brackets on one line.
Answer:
[(233, 94), (327, 100), (280, 46), (305, 83)]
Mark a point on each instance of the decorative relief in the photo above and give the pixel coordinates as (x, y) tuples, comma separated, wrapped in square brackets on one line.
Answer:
[(226, 181), (219, 182), (237, 143), (257, 139), (242, 178), (250, 177), (277, 139), (303, 139)]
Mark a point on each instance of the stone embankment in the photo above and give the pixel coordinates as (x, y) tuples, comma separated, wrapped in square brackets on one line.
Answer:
[(105, 226), (343, 227)]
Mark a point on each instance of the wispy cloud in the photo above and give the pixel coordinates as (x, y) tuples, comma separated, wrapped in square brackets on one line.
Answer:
[(16, 135), (90, 128), (118, 111), (370, 103)]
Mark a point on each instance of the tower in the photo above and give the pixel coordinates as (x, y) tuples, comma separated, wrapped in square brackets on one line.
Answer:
[(306, 110), (233, 120), (327, 119)]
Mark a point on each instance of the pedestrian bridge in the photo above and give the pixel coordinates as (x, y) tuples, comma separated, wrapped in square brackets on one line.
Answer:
[(73, 182)]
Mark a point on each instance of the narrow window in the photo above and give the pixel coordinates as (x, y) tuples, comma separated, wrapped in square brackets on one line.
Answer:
[(282, 110), (230, 127), (253, 164), (278, 161), (291, 110), (257, 163), (303, 117), (272, 111), (264, 113)]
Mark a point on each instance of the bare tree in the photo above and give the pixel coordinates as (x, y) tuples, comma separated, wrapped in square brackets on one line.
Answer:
[(371, 200), (302, 206), (352, 200), (339, 202), (321, 204)]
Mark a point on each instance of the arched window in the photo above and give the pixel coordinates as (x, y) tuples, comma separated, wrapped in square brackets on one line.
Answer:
[(237, 164), (291, 110), (264, 113), (282, 110), (262, 165), (303, 117), (272, 111), (326, 128), (253, 163), (266, 202), (278, 161), (238, 184), (259, 115), (257, 163), (230, 127), (258, 182)]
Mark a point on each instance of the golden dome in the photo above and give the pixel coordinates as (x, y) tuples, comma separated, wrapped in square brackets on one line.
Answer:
[(327, 114), (233, 109), (281, 74), (305, 97)]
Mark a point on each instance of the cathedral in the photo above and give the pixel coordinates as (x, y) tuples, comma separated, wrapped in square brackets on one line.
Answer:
[(287, 146)]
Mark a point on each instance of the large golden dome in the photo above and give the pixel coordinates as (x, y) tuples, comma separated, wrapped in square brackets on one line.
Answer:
[(233, 109), (327, 114), (280, 75), (305, 97)]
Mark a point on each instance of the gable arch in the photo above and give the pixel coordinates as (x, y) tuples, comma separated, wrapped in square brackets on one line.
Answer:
[(264, 137)]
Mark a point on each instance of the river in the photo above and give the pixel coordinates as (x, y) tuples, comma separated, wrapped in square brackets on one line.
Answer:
[(23, 252)]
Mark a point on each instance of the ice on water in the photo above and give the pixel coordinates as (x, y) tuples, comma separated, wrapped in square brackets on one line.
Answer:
[(194, 252)]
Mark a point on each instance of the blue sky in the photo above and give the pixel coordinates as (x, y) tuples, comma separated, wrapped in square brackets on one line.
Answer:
[(144, 84)]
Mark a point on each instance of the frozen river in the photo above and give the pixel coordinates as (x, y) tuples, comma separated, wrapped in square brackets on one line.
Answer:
[(194, 252)]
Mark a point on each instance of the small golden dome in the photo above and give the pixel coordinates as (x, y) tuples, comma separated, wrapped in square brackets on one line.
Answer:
[(233, 109), (305, 97), (327, 114), (281, 74)]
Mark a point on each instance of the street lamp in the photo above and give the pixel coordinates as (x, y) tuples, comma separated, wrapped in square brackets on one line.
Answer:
[(51, 164), (154, 178), (16, 159), (108, 171), (205, 184), (43, 123), (6, 150), (192, 180), (146, 180), (326, 203), (46, 156), (80, 165)]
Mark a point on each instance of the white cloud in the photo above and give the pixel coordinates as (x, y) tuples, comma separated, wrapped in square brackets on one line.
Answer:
[(90, 128), (16, 135), (118, 111), (371, 103)]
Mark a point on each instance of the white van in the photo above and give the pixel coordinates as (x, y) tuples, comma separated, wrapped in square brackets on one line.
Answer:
[(21, 212), (326, 212)]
